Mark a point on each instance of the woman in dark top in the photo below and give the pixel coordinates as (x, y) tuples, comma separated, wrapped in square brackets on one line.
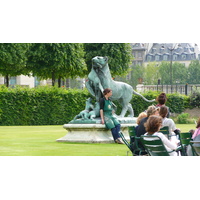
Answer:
[(107, 117), (162, 99), (141, 130)]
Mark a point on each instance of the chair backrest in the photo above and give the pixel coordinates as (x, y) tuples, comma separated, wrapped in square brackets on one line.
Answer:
[(165, 131), (125, 141), (185, 138), (154, 145), (132, 133)]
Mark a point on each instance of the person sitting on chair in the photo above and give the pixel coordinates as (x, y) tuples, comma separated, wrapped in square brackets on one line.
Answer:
[(152, 110), (153, 125), (162, 99), (197, 131), (173, 131)]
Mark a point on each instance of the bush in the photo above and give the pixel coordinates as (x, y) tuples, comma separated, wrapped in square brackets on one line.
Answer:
[(195, 98), (40, 106), (183, 118), (48, 105)]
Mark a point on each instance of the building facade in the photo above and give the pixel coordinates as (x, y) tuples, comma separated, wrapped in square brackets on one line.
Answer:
[(175, 52), (139, 53)]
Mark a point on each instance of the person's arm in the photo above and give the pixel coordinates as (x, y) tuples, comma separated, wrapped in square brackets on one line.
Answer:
[(102, 116), (168, 143), (101, 110)]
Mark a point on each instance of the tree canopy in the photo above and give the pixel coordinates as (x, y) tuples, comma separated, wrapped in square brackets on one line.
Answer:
[(13, 59), (194, 72), (119, 56), (57, 60)]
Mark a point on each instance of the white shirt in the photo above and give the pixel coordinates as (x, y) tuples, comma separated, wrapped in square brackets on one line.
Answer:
[(170, 123), (168, 144)]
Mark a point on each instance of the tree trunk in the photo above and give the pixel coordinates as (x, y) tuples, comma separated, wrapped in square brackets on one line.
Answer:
[(53, 79), (6, 81), (59, 82)]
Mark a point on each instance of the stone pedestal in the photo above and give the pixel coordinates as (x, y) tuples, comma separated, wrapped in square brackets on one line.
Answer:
[(92, 133)]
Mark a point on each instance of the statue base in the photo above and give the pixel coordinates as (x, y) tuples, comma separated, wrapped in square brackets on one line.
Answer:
[(94, 132)]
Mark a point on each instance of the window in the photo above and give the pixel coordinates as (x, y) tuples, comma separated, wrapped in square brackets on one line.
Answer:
[(139, 55), (157, 58), (184, 57), (12, 80), (165, 57), (175, 57), (148, 58)]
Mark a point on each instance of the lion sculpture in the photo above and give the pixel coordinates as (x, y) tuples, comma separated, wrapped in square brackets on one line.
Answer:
[(120, 91)]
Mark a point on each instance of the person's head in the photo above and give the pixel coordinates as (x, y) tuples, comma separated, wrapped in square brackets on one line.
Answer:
[(107, 92), (152, 110), (153, 124), (198, 123), (163, 111), (191, 131), (141, 116), (162, 98)]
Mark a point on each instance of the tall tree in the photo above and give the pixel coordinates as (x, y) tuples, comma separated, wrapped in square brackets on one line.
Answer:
[(57, 60), (151, 74), (179, 73), (119, 56), (194, 72), (13, 60)]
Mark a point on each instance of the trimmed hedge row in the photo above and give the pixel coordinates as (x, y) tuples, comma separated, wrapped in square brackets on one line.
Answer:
[(54, 106)]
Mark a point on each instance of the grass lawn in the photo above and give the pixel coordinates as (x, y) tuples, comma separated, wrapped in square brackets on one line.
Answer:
[(41, 141)]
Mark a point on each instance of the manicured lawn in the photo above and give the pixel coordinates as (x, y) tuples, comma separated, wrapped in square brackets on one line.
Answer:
[(41, 141)]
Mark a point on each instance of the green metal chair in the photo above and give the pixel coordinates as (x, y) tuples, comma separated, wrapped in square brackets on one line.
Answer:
[(185, 141), (165, 131), (133, 145), (154, 146)]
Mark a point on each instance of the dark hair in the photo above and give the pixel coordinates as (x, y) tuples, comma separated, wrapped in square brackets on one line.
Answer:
[(198, 123), (106, 91), (162, 98), (153, 124), (163, 111)]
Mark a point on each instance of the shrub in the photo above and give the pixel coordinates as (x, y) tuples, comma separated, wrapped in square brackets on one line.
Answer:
[(48, 105), (183, 118), (195, 98)]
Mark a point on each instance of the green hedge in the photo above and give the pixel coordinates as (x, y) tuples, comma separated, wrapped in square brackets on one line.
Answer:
[(40, 106), (55, 106)]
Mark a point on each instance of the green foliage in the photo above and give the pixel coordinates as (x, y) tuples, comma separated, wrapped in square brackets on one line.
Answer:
[(40, 106), (52, 105), (183, 118), (151, 74), (13, 58), (194, 72), (179, 73), (119, 55), (195, 98), (176, 102), (57, 60)]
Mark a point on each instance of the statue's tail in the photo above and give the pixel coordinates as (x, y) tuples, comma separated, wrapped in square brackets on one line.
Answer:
[(134, 92)]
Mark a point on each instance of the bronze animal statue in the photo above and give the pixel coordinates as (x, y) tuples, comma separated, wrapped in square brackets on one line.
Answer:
[(120, 91), (84, 113), (95, 112)]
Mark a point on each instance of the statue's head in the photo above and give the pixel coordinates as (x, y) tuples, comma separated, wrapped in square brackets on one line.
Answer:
[(99, 62)]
